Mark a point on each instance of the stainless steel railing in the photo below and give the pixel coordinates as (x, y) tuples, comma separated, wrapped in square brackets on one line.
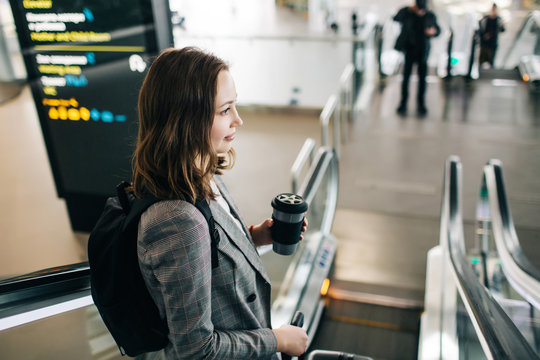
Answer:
[(524, 277), (498, 336)]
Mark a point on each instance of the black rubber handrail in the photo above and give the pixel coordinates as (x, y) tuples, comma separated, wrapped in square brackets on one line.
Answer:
[(43, 277), (520, 272), (498, 335), (511, 239), (326, 162), (28, 290)]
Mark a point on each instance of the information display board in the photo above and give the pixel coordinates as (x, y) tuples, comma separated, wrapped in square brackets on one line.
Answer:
[(86, 60)]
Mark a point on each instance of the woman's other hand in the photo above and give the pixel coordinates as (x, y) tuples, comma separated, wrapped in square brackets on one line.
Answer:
[(291, 340)]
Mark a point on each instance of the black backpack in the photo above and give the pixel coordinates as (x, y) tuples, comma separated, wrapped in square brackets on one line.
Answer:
[(117, 286)]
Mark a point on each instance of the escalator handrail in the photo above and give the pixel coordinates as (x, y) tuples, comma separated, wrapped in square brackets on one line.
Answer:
[(45, 277), (325, 159), (307, 153), (43, 293), (523, 275), (330, 112), (287, 301), (498, 335), (535, 16)]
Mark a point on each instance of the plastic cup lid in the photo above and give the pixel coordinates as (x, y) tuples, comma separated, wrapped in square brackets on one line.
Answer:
[(289, 203)]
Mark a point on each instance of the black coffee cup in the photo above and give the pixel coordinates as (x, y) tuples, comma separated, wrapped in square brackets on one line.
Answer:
[(288, 216)]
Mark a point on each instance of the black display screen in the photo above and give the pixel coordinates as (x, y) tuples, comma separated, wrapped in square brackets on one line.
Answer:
[(86, 60)]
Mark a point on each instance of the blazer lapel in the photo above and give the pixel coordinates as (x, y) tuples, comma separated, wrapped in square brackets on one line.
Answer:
[(227, 196), (237, 236)]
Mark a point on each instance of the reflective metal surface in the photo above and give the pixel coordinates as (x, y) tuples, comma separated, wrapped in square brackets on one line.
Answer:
[(445, 333), (524, 277), (301, 289)]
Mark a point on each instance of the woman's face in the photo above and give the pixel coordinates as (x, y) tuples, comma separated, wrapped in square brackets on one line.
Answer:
[(226, 118)]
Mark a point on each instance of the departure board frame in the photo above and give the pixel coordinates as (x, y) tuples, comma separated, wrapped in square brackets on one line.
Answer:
[(86, 60)]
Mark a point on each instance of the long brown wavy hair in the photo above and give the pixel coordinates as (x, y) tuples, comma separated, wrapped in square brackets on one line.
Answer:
[(174, 157)]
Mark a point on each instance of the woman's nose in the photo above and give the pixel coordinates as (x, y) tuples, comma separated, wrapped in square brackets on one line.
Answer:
[(237, 119)]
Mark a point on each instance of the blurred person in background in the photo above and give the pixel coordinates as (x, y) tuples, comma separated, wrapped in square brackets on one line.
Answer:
[(490, 27), (418, 26)]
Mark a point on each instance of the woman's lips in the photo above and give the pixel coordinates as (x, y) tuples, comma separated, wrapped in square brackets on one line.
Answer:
[(230, 137)]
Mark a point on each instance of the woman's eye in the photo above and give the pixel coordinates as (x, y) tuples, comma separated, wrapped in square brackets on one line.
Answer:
[(226, 111)]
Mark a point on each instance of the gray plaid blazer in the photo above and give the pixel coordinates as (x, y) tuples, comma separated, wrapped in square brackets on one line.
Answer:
[(221, 313)]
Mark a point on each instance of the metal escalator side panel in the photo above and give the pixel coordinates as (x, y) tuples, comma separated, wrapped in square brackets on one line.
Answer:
[(498, 335), (523, 276)]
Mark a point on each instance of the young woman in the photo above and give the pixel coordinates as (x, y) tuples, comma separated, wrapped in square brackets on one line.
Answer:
[(187, 124)]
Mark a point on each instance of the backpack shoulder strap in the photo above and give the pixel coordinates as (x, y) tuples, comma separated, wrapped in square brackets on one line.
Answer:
[(203, 207), (137, 207), (123, 197)]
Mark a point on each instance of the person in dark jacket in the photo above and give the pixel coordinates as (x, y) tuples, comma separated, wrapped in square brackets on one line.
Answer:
[(490, 26), (418, 26)]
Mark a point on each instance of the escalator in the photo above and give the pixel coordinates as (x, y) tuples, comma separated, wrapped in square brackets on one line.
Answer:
[(460, 317), (476, 307), (379, 326), (521, 60), (305, 278), (524, 54), (49, 314), (512, 278), (463, 318)]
